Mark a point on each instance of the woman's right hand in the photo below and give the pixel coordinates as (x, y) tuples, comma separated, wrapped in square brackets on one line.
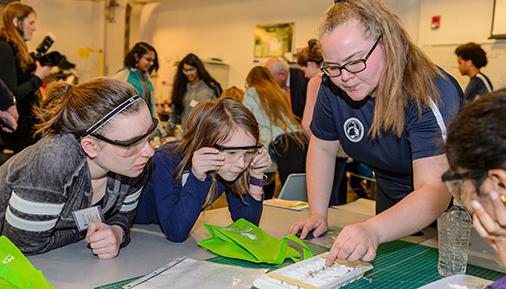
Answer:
[(316, 223), (42, 71), (204, 160)]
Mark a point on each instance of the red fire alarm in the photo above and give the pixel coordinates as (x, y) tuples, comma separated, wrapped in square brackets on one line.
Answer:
[(436, 22)]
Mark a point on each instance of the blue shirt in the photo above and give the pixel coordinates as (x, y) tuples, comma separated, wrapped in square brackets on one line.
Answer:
[(337, 117), (176, 207)]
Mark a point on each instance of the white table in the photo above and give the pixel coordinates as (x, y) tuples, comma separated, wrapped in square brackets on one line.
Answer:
[(74, 266)]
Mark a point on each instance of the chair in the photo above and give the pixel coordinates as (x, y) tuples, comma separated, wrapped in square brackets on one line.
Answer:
[(289, 155), (295, 188)]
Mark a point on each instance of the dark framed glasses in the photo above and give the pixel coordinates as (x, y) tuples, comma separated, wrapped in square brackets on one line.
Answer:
[(233, 154), (355, 66)]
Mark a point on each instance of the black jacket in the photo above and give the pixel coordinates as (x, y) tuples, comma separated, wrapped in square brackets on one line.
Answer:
[(23, 84), (298, 88)]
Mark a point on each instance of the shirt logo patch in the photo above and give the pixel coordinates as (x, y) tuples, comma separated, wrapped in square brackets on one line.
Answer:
[(353, 129)]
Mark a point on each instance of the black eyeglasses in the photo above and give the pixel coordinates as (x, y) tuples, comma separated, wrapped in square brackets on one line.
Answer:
[(355, 66), (189, 70), (131, 142), (148, 59)]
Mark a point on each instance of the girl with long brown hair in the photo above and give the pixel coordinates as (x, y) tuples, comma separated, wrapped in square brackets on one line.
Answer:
[(388, 106), (22, 75), (270, 106), (219, 152), (92, 156)]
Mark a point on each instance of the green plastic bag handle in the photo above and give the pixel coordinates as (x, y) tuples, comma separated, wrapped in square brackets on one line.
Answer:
[(305, 249)]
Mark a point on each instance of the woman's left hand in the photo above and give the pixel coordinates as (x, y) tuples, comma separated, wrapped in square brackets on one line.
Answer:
[(260, 164), (104, 240)]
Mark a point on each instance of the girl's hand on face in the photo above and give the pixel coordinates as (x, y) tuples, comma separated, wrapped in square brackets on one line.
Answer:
[(260, 164), (204, 160)]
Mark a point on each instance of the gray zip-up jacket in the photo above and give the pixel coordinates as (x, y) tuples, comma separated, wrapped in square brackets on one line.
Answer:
[(41, 186)]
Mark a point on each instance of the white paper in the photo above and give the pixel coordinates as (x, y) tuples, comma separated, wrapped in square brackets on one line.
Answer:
[(458, 281), (193, 274)]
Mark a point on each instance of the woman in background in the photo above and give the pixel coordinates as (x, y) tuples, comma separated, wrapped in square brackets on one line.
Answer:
[(139, 62), (22, 75), (310, 59), (219, 153), (265, 99), (192, 84)]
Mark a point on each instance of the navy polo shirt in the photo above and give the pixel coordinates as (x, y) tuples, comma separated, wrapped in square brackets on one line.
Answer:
[(337, 117)]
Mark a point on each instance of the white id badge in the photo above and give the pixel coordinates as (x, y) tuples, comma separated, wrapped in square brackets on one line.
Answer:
[(86, 216)]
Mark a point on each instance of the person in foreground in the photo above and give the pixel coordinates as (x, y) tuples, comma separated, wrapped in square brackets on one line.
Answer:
[(387, 104), (219, 152), (476, 151), (93, 154)]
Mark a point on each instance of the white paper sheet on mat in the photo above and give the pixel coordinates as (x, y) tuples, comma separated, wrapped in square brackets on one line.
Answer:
[(188, 273)]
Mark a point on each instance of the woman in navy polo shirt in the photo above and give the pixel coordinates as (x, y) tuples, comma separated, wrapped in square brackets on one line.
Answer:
[(388, 105)]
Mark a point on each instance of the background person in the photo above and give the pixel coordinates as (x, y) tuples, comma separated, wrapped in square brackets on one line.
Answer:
[(8, 111), (292, 82), (219, 152), (476, 150), (93, 154), (310, 59), (387, 104), (471, 58), (268, 104), (192, 84), (22, 75), (139, 62)]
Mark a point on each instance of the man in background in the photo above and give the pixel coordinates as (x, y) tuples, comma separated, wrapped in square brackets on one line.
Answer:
[(292, 81), (471, 58)]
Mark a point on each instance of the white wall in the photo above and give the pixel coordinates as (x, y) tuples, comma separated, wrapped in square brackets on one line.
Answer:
[(82, 24), (76, 24), (462, 21), (225, 29)]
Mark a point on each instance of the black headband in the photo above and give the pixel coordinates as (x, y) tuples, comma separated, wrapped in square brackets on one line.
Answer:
[(112, 113)]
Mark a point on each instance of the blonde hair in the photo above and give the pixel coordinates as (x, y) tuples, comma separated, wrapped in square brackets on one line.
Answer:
[(272, 99), (233, 92), (14, 35), (411, 74), (212, 122), (73, 110)]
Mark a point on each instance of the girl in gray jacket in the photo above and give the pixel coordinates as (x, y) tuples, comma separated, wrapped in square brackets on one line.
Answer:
[(92, 156)]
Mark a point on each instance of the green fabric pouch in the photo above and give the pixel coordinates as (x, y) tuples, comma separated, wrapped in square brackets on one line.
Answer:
[(243, 240), (16, 272)]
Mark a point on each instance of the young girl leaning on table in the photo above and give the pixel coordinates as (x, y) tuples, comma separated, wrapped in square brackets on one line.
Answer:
[(89, 164), (219, 152), (476, 151)]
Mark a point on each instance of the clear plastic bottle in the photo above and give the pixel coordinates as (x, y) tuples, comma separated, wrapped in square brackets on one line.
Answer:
[(454, 232)]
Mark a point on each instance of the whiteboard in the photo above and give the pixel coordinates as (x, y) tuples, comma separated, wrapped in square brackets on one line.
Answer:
[(444, 56), (499, 19)]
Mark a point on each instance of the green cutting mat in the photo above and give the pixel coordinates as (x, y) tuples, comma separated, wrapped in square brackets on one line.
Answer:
[(398, 264)]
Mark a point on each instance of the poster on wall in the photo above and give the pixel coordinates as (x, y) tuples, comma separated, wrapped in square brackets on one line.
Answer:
[(273, 40)]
